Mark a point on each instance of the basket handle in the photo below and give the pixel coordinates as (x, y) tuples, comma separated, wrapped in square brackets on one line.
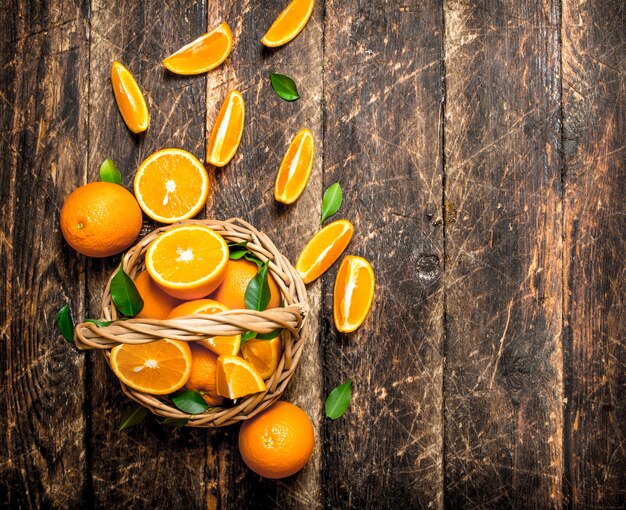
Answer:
[(190, 328)]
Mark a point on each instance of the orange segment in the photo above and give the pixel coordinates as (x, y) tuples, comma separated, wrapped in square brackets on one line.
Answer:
[(295, 169), (158, 368), (187, 262), (354, 291), (171, 185), (263, 355), (218, 344), (236, 378), (289, 23), (323, 249), (205, 53), (227, 131), (129, 98)]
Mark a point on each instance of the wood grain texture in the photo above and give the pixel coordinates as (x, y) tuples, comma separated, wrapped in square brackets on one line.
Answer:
[(43, 120), (594, 110), (503, 380), (382, 96)]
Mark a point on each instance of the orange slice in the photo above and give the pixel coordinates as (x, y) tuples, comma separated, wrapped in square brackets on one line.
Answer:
[(187, 262), (205, 53), (158, 368), (354, 291), (295, 169), (171, 185), (323, 249), (227, 131), (218, 344), (289, 23), (236, 378), (129, 98), (263, 355)]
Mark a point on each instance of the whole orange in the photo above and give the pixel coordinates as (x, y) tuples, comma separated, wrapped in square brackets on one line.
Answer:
[(277, 442), (202, 377), (100, 219), (156, 303), (232, 290)]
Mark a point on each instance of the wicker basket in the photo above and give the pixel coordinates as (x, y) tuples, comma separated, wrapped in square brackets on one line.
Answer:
[(292, 318)]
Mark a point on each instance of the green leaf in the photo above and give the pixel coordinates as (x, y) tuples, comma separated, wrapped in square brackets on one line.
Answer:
[(133, 415), (248, 335), (237, 254), (175, 422), (125, 295), (258, 295), (66, 324), (270, 335), (189, 401), (99, 323), (109, 172), (331, 202), (251, 257), (338, 400), (284, 87)]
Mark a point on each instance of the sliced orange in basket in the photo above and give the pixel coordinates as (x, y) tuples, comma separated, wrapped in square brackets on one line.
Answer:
[(156, 303), (218, 344), (188, 261), (158, 368), (353, 294), (323, 249), (205, 53), (289, 23), (263, 355), (295, 168), (236, 378), (171, 185), (129, 98), (226, 134)]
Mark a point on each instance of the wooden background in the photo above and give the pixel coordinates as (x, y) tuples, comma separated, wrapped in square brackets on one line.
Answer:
[(481, 149)]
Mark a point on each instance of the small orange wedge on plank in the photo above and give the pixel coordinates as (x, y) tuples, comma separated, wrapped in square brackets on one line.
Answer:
[(226, 134), (295, 168), (323, 249), (353, 294), (157, 368), (263, 355), (236, 378), (289, 23), (205, 53), (129, 98)]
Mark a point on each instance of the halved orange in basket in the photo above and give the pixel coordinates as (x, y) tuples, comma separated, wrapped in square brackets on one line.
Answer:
[(227, 131), (158, 368), (129, 98), (353, 294), (323, 249), (263, 355), (289, 23), (295, 168), (236, 378), (171, 185), (187, 261), (205, 53)]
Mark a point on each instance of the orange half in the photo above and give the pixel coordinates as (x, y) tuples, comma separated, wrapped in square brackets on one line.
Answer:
[(236, 378), (295, 168), (129, 98), (354, 291), (227, 131), (323, 249), (289, 23), (205, 53), (263, 355)]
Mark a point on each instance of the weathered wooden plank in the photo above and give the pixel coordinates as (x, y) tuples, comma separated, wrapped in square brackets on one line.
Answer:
[(42, 158), (503, 379), (594, 99), (244, 188), (382, 95)]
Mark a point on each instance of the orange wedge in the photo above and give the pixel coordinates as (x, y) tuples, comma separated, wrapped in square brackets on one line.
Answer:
[(236, 378), (158, 368), (218, 344), (295, 169), (226, 134), (187, 262), (289, 23), (354, 291), (129, 98), (171, 185), (205, 53), (263, 355), (323, 249)]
